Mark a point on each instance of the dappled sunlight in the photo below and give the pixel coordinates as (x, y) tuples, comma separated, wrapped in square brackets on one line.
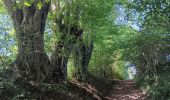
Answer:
[(84, 49), (125, 90)]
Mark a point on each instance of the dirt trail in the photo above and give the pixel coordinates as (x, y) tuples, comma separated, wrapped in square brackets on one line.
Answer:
[(125, 90)]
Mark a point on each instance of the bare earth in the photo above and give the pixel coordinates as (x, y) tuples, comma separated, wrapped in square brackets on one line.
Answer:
[(125, 90)]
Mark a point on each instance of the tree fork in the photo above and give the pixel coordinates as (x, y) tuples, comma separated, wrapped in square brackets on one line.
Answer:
[(63, 49), (82, 54)]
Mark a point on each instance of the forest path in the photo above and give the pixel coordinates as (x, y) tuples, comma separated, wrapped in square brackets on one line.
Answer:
[(125, 90)]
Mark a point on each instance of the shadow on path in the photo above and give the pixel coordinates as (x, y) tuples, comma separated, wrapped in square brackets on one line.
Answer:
[(125, 90)]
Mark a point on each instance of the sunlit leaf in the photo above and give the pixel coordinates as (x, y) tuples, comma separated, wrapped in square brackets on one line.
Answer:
[(27, 3), (40, 5)]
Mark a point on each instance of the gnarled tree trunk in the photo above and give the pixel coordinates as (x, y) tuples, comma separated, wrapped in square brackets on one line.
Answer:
[(29, 22), (82, 54), (60, 58), (63, 49)]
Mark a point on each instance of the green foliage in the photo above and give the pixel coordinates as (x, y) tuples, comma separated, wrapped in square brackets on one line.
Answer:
[(157, 86), (119, 68), (39, 4), (114, 45), (111, 51), (151, 47), (70, 70), (27, 3), (47, 1), (2, 8), (149, 54), (8, 48)]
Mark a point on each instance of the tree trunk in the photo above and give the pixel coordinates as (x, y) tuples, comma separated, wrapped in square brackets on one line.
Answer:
[(60, 58), (29, 22), (69, 33), (82, 55)]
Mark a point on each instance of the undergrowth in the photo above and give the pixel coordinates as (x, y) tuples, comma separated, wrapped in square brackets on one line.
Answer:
[(11, 89), (157, 86)]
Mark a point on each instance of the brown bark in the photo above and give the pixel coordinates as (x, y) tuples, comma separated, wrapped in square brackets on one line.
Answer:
[(60, 58), (29, 23), (82, 55), (63, 50), (32, 62), (70, 32)]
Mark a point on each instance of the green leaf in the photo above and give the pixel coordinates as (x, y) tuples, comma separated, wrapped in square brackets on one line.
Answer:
[(27, 3), (40, 5), (18, 4), (47, 1)]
